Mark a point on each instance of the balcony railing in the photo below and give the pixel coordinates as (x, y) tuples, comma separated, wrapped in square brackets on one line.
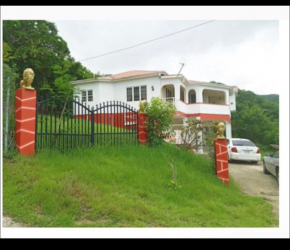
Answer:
[(169, 99), (195, 108)]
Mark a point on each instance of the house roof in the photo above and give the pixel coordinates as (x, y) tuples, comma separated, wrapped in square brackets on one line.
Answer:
[(134, 74), (192, 81), (119, 77), (129, 74)]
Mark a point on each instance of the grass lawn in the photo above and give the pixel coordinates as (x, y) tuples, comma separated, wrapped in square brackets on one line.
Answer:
[(126, 186)]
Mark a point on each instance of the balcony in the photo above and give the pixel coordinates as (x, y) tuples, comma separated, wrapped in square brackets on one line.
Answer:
[(198, 108)]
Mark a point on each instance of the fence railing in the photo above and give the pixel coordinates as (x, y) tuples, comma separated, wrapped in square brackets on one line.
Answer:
[(67, 124)]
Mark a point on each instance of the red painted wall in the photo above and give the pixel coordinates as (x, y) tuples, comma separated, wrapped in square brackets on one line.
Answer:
[(204, 117)]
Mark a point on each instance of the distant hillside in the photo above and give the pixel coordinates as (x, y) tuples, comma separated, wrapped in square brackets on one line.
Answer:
[(256, 118), (273, 97)]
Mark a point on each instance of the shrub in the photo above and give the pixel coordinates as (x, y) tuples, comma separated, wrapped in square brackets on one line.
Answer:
[(159, 120), (200, 135)]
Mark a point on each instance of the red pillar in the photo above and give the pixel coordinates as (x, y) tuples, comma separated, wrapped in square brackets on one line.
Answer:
[(25, 114), (221, 160), (143, 137)]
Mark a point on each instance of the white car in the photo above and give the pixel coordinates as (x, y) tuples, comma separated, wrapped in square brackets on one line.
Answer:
[(243, 150), (271, 163)]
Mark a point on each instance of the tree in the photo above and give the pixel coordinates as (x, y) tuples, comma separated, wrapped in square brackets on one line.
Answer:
[(35, 44), (256, 118)]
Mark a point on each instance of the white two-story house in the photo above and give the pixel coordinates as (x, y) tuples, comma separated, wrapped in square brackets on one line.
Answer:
[(192, 99)]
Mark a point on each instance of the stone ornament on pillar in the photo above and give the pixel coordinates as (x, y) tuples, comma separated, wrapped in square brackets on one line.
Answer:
[(25, 115), (28, 77), (221, 129), (221, 155)]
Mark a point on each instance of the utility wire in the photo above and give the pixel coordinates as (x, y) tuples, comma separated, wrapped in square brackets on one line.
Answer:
[(150, 41)]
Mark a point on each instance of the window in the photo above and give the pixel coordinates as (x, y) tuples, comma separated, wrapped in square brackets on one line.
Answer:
[(84, 96), (140, 91), (129, 95), (243, 143), (143, 93), (168, 93), (90, 95), (192, 98), (87, 95), (136, 94)]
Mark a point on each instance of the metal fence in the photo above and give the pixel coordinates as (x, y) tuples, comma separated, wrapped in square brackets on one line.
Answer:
[(66, 124)]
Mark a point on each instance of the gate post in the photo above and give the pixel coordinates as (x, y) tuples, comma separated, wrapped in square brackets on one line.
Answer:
[(221, 160), (25, 121), (221, 155), (143, 136)]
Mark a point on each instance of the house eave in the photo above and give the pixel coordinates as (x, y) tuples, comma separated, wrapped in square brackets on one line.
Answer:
[(112, 80)]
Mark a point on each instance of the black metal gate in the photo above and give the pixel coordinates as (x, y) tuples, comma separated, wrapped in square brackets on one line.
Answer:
[(66, 124), (116, 123)]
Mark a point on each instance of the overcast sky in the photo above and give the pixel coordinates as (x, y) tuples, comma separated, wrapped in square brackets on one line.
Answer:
[(240, 53)]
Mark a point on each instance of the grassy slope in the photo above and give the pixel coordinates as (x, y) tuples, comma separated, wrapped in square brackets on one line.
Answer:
[(125, 187)]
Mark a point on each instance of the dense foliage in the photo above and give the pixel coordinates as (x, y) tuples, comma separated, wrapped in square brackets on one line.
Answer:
[(159, 120), (36, 44), (256, 118)]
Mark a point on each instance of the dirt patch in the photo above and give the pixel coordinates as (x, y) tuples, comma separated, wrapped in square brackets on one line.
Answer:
[(8, 222), (254, 182)]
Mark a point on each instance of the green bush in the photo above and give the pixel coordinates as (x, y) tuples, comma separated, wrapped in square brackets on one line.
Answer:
[(159, 120)]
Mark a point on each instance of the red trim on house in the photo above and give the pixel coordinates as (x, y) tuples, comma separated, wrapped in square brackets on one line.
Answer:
[(204, 117), (127, 120), (204, 103)]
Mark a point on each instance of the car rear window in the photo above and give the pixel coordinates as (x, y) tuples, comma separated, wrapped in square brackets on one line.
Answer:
[(243, 143)]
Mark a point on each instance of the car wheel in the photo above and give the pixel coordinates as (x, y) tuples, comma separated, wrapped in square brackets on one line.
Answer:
[(255, 162), (265, 171), (277, 174)]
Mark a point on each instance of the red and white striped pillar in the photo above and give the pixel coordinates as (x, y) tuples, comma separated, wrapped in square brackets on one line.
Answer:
[(221, 160), (143, 137), (25, 118)]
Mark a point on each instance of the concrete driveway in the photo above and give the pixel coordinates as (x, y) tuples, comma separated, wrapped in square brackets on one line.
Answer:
[(254, 182)]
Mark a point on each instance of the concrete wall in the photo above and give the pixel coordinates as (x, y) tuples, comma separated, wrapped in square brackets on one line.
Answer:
[(105, 91), (120, 89), (232, 99), (96, 91)]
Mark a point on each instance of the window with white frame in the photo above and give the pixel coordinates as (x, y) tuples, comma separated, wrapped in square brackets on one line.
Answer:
[(90, 96), (84, 96), (129, 95), (136, 92), (87, 95), (143, 93)]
